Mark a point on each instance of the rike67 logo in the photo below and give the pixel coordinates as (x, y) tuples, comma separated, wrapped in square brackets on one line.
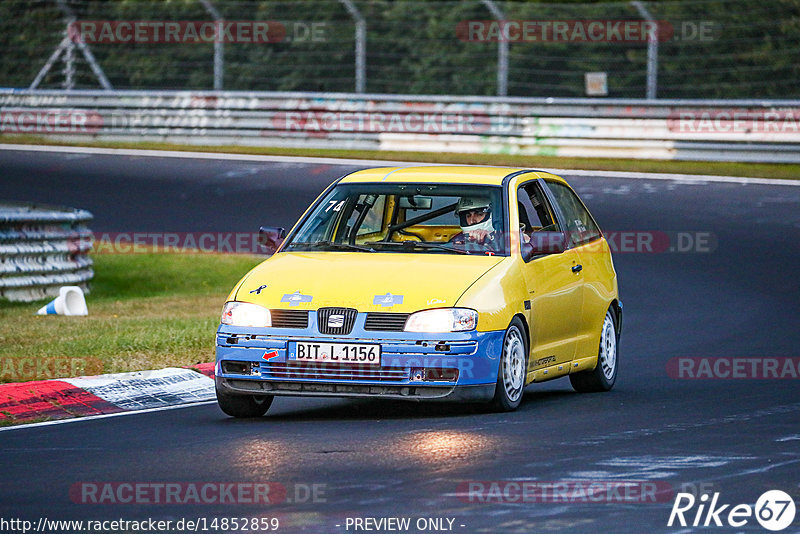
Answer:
[(774, 510)]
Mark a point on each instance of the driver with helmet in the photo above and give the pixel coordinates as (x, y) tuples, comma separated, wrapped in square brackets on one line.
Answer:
[(475, 217)]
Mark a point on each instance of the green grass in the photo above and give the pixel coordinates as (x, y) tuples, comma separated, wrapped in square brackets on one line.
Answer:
[(12, 422), (123, 276), (788, 171), (146, 311)]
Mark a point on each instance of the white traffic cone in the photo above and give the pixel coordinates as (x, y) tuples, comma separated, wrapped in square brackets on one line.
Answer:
[(70, 301)]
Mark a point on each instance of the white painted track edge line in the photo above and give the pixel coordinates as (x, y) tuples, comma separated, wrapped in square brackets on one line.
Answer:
[(696, 178), (202, 155)]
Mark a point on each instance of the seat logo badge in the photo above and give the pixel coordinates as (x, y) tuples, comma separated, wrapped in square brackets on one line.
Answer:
[(388, 300), (294, 299), (336, 321)]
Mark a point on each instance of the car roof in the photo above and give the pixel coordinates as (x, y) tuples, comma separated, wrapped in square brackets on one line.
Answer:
[(441, 174)]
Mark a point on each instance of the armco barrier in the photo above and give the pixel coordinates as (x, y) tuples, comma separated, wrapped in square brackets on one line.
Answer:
[(41, 249), (703, 130)]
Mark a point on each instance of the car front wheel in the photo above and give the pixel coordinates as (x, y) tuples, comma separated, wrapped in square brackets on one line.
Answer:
[(604, 375), (512, 369), (244, 405)]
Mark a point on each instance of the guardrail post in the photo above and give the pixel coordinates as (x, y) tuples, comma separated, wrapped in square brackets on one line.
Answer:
[(69, 63), (652, 51), (502, 50), (361, 45), (62, 46), (219, 46)]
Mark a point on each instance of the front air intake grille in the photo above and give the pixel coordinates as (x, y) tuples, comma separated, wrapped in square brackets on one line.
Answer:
[(332, 372), (336, 321), (387, 322), (235, 368), (289, 318)]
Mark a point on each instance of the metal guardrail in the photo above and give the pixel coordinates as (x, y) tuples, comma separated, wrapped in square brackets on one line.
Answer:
[(702, 130), (41, 249)]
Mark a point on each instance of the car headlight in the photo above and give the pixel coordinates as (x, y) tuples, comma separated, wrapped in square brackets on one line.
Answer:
[(443, 320), (245, 314)]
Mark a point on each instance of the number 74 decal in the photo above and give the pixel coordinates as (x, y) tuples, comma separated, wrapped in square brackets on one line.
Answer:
[(336, 205)]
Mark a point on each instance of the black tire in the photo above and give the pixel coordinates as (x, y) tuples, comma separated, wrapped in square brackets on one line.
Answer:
[(604, 375), (244, 405), (512, 369)]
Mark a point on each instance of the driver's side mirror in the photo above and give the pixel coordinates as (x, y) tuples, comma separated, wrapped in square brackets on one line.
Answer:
[(544, 243), (271, 237)]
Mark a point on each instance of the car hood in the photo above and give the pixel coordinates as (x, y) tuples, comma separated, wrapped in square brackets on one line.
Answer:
[(390, 282)]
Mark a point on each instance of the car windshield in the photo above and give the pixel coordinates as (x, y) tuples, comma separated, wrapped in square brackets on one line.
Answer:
[(407, 218)]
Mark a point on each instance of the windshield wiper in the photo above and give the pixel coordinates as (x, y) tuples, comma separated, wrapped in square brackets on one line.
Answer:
[(330, 244), (418, 244)]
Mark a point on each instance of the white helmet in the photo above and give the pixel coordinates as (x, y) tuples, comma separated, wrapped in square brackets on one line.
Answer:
[(470, 203)]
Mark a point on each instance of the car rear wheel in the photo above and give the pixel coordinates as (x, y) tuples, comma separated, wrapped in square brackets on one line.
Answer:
[(244, 405), (604, 375), (512, 369)]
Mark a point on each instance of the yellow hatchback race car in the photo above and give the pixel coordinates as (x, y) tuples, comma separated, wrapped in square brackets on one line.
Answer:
[(425, 283)]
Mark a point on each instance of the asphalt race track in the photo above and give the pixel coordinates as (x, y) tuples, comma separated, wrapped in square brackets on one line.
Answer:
[(736, 295)]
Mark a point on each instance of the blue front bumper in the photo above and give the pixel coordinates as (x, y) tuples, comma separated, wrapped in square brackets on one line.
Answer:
[(451, 366)]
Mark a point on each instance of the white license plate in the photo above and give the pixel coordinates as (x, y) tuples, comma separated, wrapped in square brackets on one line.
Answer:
[(346, 353)]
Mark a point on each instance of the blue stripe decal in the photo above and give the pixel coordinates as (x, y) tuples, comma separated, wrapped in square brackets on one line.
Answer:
[(394, 171)]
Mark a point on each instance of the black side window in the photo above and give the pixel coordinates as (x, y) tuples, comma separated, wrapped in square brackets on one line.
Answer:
[(580, 224), (534, 211)]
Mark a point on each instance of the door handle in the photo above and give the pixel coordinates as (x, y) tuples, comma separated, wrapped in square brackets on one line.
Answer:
[(577, 268)]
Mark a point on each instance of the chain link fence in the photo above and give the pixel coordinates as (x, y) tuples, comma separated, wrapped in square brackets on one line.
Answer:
[(670, 49)]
